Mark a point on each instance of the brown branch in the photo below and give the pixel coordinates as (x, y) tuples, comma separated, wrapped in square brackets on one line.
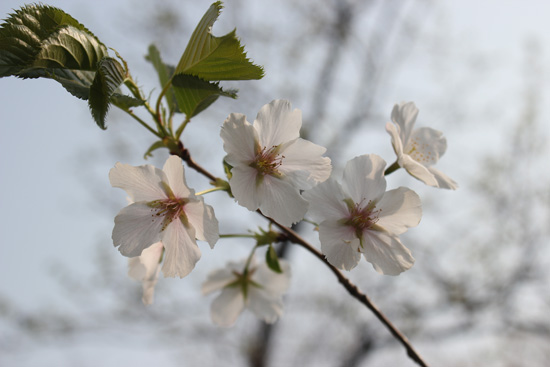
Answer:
[(183, 153), (294, 237), (355, 292)]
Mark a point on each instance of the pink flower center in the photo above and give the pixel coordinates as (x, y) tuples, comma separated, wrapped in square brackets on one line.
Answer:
[(267, 161), (168, 210), (361, 217)]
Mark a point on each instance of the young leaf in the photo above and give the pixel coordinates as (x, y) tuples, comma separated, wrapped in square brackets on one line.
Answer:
[(216, 58), (109, 76), (43, 41), (194, 95), (164, 72), (272, 260), (126, 102), (156, 145)]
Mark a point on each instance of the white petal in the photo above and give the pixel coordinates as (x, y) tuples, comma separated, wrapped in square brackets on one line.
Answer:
[(239, 139), (326, 201), (142, 183), (281, 201), (305, 158), (202, 218), (395, 138), (277, 123), (136, 270), (173, 168), (404, 115), (417, 170), (244, 188), (364, 178), (426, 146), (146, 268), (136, 228), (339, 245), (443, 181), (182, 252), (218, 279), (148, 287), (386, 253), (265, 306), (273, 283), (400, 209), (227, 307)]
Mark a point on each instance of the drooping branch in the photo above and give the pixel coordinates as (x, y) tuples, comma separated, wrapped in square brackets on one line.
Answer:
[(354, 292)]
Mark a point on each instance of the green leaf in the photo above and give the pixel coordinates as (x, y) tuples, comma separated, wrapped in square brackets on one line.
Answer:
[(164, 73), (109, 76), (156, 145), (216, 58), (126, 102), (194, 94), (43, 41), (76, 82), (272, 260)]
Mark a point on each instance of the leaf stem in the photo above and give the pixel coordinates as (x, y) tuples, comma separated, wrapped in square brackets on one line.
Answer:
[(143, 123), (182, 127), (245, 270), (134, 89), (236, 235), (159, 100)]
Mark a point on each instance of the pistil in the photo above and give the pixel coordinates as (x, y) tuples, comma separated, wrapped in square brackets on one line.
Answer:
[(267, 161), (168, 210)]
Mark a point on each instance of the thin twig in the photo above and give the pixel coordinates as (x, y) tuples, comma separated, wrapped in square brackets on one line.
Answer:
[(346, 283), (355, 292), (183, 153)]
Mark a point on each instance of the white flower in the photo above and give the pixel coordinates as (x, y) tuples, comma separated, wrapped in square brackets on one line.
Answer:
[(259, 289), (271, 163), (360, 217), (146, 268), (163, 209), (419, 149)]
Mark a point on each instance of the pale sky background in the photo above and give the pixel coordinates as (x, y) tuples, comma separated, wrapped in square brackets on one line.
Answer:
[(51, 151)]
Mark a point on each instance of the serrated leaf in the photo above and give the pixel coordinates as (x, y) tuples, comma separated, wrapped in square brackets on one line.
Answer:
[(272, 260), (76, 82), (194, 94), (216, 58), (40, 41), (164, 73), (109, 76)]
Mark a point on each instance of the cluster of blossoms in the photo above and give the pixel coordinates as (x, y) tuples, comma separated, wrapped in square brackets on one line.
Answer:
[(285, 177)]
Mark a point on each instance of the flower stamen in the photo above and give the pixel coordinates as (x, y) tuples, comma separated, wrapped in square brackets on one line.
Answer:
[(167, 209), (267, 161), (361, 217)]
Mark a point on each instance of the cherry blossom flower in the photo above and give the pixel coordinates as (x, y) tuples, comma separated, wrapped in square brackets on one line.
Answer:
[(418, 150), (271, 163), (146, 268), (360, 217), (163, 209), (259, 289)]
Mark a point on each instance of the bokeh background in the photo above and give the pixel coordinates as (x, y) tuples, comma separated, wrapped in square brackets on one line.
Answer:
[(479, 291)]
